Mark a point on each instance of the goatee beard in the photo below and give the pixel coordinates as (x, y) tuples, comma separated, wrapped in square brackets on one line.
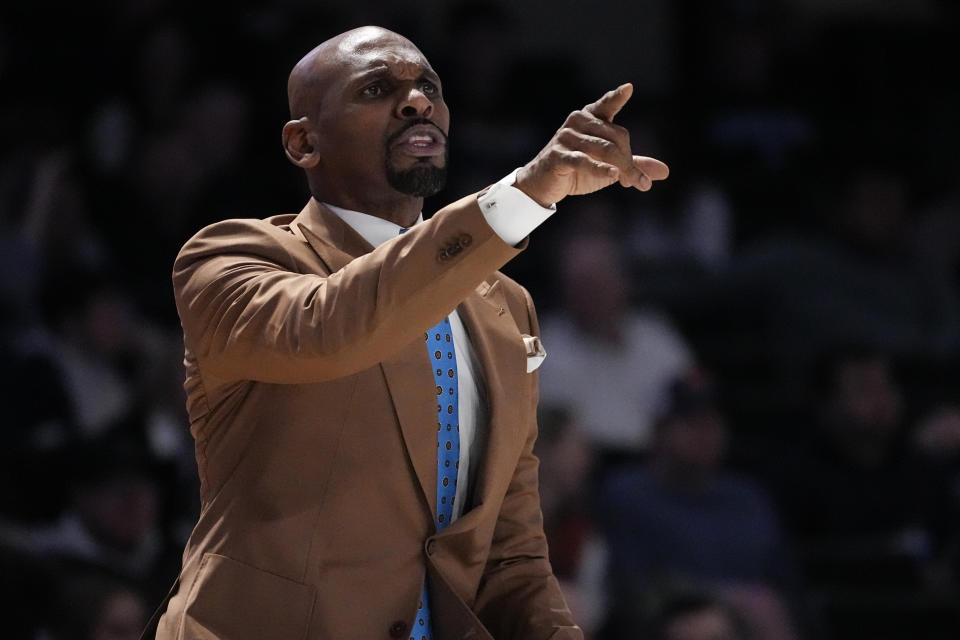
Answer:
[(422, 179), (419, 181)]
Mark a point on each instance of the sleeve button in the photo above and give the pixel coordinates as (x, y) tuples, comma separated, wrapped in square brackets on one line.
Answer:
[(398, 629), (465, 240)]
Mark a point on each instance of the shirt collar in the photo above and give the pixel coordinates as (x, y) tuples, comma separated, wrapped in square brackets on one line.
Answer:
[(374, 230)]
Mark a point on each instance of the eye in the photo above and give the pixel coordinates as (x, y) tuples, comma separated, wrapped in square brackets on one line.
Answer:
[(374, 90), (428, 88)]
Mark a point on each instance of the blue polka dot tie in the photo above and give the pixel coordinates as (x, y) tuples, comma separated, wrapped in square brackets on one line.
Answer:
[(439, 341), (443, 359)]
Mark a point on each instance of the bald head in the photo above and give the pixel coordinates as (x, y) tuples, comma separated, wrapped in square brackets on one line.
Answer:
[(369, 124), (312, 75)]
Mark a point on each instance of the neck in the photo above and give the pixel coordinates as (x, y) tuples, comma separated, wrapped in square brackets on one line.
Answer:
[(404, 213), (398, 208)]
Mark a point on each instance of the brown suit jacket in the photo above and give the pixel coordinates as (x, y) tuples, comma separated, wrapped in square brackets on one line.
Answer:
[(311, 401)]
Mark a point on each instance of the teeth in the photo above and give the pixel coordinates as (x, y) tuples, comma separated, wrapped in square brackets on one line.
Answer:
[(421, 139)]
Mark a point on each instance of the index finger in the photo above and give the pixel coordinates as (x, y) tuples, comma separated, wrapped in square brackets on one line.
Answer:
[(611, 102)]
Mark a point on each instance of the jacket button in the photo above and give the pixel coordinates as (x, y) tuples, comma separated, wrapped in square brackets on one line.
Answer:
[(465, 240), (398, 629), (431, 547)]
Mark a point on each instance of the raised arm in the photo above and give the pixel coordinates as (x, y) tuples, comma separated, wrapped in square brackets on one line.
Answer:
[(249, 312)]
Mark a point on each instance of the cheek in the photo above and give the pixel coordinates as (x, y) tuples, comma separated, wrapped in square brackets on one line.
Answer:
[(358, 132), (442, 116)]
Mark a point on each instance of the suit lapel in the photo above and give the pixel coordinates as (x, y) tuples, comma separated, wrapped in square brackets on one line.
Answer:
[(332, 239), (494, 336), (411, 386)]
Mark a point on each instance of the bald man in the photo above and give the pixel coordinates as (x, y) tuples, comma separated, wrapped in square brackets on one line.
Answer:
[(356, 483)]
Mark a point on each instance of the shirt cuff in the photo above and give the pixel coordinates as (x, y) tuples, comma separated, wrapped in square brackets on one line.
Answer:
[(511, 213)]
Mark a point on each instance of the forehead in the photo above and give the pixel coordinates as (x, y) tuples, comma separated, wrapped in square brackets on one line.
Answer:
[(361, 53)]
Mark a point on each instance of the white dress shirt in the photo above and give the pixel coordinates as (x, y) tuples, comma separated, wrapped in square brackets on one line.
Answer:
[(512, 215)]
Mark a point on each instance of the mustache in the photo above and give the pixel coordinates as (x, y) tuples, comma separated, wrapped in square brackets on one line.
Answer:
[(413, 123)]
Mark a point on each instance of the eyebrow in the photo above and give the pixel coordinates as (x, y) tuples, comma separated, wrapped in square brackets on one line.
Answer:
[(383, 71)]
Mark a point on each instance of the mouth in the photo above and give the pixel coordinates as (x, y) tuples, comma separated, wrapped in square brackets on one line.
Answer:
[(420, 141)]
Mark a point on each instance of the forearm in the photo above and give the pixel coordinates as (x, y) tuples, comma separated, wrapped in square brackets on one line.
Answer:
[(248, 314)]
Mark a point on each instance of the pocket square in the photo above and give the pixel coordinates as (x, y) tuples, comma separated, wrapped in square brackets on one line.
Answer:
[(535, 352)]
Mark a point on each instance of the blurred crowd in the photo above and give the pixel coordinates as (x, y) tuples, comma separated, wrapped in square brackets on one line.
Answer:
[(750, 407)]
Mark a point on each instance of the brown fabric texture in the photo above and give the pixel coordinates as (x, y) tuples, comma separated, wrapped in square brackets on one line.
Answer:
[(311, 401)]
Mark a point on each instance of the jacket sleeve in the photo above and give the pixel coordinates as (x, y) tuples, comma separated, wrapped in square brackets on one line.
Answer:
[(519, 597), (248, 314)]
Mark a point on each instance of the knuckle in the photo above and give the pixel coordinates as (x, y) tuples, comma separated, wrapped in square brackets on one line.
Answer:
[(605, 145), (608, 148), (556, 157)]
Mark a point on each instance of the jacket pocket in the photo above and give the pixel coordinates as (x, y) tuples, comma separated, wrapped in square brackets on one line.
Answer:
[(231, 600)]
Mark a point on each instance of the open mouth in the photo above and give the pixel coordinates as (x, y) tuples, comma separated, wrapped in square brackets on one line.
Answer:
[(421, 140)]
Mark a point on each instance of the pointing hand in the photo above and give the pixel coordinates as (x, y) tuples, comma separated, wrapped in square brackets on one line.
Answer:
[(589, 152)]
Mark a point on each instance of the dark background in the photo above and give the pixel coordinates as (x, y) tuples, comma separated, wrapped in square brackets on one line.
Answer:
[(816, 141)]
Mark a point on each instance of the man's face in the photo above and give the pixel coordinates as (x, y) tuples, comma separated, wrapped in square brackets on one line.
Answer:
[(382, 122)]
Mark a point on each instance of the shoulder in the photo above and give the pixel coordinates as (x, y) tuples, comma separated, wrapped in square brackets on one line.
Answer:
[(265, 237), (242, 230)]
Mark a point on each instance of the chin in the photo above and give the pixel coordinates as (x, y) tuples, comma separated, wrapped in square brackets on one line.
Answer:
[(422, 179)]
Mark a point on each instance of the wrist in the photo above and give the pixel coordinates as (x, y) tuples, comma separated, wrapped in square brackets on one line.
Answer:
[(523, 182)]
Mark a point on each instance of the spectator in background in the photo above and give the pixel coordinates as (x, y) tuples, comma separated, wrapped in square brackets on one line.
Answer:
[(681, 234), (865, 507), (96, 606), (92, 335), (37, 417), (859, 282), (678, 612), (577, 552), (50, 223), (608, 362), (681, 516), (113, 517)]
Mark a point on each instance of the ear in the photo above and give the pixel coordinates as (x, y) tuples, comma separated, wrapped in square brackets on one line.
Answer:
[(297, 144)]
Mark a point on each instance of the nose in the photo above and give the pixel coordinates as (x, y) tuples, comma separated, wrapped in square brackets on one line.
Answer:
[(414, 105)]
